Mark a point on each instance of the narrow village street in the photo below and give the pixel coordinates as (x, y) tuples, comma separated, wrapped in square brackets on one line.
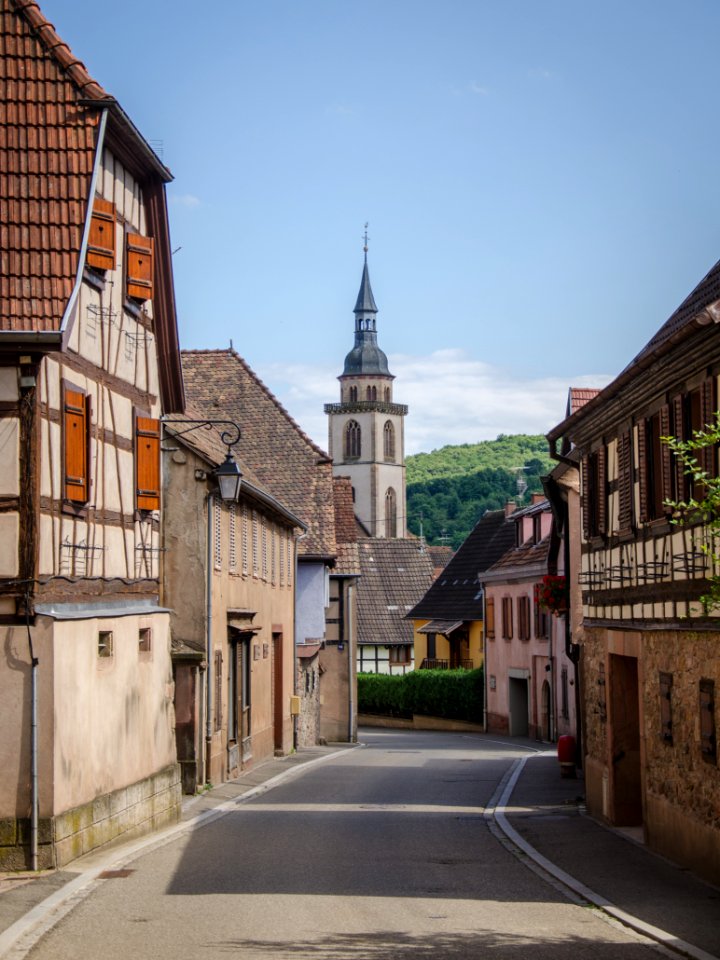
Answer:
[(382, 852)]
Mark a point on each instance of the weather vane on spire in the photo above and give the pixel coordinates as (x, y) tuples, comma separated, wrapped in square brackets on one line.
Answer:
[(365, 240)]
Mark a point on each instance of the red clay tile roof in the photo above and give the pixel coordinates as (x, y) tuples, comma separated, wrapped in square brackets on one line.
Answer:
[(394, 575), (50, 111), (47, 149), (456, 593), (282, 457), (578, 397)]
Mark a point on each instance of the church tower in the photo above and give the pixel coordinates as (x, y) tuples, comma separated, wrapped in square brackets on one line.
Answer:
[(366, 429)]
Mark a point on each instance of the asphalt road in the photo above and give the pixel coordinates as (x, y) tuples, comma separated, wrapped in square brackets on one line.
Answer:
[(381, 853)]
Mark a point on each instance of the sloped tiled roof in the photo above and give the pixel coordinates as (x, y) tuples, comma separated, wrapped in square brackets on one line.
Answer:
[(456, 594), (440, 557), (705, 293), (527, 558), (50, 110), (699, 308), (394, 574), (578, 397), (280, 455), (47, 150)]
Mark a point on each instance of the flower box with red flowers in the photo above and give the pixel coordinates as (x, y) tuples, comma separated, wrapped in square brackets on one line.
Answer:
[(551, 594)]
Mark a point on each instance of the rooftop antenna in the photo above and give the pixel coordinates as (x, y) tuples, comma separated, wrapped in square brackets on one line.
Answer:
[(444, 538)]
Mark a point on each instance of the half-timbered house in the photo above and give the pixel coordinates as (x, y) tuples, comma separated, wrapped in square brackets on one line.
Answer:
[(88, 364), (650, 664)]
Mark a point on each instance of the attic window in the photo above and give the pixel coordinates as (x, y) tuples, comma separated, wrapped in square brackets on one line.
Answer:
[(101, 242)]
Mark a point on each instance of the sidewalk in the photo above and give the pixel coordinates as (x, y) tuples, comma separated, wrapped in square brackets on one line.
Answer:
[(548, 812)]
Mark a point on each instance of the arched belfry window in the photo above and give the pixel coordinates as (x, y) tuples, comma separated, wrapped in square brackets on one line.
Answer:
[(387, 394), (353, 394), (352, 440), (389, 440), (390, 513), (368, 394), (373, 393)]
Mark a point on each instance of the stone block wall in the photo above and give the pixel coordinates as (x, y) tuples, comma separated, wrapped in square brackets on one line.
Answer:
[(134, 810)]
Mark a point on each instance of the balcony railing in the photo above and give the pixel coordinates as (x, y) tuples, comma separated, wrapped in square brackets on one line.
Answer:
[(434, 664)]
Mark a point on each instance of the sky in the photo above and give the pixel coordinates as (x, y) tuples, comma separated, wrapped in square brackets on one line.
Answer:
[(539, 178)]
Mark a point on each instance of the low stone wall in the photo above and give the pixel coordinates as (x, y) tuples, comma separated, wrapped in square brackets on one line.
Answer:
[(418, 722), (130, 812)]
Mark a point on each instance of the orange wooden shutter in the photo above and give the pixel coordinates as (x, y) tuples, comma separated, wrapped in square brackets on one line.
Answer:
[(76, 446), (139, 266), (147, 463), (101, 244)]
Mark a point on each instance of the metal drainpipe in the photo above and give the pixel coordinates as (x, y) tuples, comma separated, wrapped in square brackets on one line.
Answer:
[(208, 636), (34, 791), (485, 674), (351, 698), (298, 538)]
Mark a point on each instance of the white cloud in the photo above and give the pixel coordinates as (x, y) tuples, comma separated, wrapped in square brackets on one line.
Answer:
[(540, 73), (479, 90), (452, 398), (185, 199)]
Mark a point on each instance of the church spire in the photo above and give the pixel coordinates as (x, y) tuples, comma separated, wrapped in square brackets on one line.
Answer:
[(366, 357), (365, 303)]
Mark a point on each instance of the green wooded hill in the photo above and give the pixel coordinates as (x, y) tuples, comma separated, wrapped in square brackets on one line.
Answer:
[(450, 489)]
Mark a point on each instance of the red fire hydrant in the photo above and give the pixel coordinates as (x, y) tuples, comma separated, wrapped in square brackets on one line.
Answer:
[(566, 756)]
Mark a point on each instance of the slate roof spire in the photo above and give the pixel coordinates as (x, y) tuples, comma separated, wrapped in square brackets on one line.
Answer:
[(366, 357)]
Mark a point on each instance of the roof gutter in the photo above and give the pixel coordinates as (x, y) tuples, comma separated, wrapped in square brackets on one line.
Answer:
[(69, 309)]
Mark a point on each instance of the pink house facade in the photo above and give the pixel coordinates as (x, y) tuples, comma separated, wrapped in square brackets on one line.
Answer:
[(530, 679)]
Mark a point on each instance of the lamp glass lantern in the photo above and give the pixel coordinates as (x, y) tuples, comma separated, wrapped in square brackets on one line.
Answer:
[(229, 478)]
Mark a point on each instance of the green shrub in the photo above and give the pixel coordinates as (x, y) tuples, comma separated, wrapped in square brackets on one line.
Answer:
[(454, 694)]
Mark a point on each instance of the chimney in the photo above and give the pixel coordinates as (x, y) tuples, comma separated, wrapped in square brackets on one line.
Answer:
[(537, 498), (510, 507)]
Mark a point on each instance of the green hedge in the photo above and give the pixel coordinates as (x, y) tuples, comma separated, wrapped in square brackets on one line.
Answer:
[(455, 694)]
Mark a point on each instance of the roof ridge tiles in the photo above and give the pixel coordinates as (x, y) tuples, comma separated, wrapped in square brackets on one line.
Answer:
[(60, 50)]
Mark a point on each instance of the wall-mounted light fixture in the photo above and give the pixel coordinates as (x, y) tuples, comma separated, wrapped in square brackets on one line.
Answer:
[(228, 474)]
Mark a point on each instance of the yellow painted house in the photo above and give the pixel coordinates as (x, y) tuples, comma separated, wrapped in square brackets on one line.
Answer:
[(448, 621)]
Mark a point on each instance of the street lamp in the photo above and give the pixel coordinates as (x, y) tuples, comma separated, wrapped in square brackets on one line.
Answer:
[(229, 478)]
